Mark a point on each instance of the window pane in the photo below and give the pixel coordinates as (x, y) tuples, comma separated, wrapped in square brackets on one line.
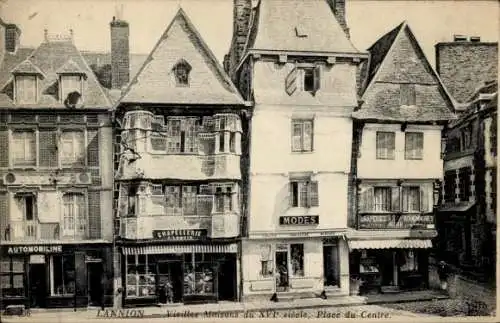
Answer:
[(385, 145), (24, 148), (73, 148), (382, 198), (26, 89), (308, 136), (297, 136), (232, 142), (413, 145), (303, 194), (308, 79), (70, 83), (297, 259), (294, 193), (189, 200)]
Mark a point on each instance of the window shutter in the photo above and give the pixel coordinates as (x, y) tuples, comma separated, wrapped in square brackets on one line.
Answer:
[(93, 148), (296, 136), (94, 209), (366, 199), (48, 148), (405, 197), (293, 191), (314, 196), (395, 199), (4, 146), (424, 201), (291, 81), (317, 79), (4, 221)]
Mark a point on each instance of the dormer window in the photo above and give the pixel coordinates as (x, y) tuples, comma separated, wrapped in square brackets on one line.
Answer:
[(71, 77), (181, 72), (69, 85), (26, 89)]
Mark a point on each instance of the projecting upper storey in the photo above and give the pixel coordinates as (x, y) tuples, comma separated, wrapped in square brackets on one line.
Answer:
[(54, 75), (401, 85), (181, 70)]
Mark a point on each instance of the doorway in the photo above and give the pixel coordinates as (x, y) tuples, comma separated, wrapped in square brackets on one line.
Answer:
[(330, 265), (37, 285), (282, 283), (94, 283), (169, 282), (227, 279)]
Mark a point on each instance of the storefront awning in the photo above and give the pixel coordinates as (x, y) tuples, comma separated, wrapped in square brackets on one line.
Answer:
[(390, 244), (164, 249)]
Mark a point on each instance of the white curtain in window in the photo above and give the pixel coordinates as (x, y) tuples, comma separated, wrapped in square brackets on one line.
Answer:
[(24, 148), (73, 148)]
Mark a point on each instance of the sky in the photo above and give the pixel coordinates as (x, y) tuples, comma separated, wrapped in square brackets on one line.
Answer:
[(431, 21)]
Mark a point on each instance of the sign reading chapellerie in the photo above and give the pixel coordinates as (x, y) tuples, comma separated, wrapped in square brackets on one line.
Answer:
[(180, 234), (16, 250), (299, 220)]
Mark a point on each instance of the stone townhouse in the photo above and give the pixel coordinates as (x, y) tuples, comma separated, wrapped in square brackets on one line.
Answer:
[(55, 176), (397, 142), (466, 220), (295, 62), (181, 125)]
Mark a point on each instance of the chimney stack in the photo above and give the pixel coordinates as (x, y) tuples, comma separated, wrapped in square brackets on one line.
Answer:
[(459, 38), (12, 36), (475, 39), (120, 65), (338, 8)]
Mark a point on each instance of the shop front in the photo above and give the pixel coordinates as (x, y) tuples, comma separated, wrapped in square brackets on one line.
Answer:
[(295, 265), (56, 275), (163, 273), (386, 266)]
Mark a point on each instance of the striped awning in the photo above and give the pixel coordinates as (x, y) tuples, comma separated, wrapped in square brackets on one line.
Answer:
[(164, 249), (390, 244)]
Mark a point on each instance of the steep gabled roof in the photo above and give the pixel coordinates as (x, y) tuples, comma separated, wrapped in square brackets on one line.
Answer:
[(155, 83), (27, 67), (49, 57), (70, 67), (297, 25), (397, 59)]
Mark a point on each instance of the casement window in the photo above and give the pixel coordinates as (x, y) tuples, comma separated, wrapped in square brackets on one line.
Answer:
[(383, 199), (182, 136), (132, 199), (74, 215), (62, 275), (386, 143), (72, 148), (266, 261), (302, 135), (12, 276), (411, 199), (227, 127), (140, 280), (173, 200), (24, 148), (297, 259), (70, 84), (304, 193), (464, 183), (189, 199), (26, 89), (174, 136), (223, 199), (26, 206), (414, 145), (407, 94), (181, 72), (449, 185), (305, 78)]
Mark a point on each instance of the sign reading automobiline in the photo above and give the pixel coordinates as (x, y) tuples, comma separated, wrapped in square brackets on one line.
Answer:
[(34, 249)]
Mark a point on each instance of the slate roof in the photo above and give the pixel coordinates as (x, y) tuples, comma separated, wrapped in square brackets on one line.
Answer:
[(297, 25), (397, 58), (155, 82), (49, 57), (27, 67), (70, 67)]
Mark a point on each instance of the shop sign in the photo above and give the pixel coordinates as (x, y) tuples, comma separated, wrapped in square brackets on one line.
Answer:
[(299, 220), (16, 250), (37, 259), (176, 234)]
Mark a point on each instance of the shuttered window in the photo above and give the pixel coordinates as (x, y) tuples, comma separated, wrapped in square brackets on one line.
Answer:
[(411, 199), (47, 148), (94, 207), (304, 193), (74, 215), (383, 199), (414, 145), (4, 148), (24, 148), (386, 143), (302, 135)]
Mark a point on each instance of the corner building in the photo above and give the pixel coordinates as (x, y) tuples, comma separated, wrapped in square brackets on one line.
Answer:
[(298, 66), (179, 175)]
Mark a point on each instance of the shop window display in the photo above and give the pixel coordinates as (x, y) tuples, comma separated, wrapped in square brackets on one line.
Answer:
[(63, 275), (297, 259), (199, 278), (12, 277), (140, 277)]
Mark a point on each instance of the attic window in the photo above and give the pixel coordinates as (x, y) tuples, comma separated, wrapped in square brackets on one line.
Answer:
[(407, 94), (181, 71), (26, 89), (71, 89)]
